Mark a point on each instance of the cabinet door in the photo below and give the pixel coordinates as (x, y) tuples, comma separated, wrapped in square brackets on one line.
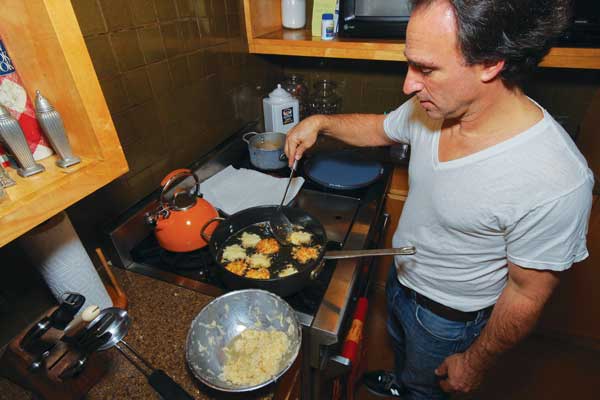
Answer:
[(574, 307), (393, 206)]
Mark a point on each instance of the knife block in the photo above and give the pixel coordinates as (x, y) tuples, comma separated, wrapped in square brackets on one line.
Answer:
[(46, 382)]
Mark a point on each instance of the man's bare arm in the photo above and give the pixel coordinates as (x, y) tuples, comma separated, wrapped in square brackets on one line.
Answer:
[(355, 129), (514, 316)]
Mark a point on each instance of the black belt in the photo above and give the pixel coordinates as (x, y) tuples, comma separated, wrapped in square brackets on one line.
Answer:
[(445, 311)]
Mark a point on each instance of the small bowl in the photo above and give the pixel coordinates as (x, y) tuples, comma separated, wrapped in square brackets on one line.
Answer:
[(226, 317)]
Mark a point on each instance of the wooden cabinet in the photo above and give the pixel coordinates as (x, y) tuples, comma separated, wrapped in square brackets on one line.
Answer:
[(266, 36), (394, 203), (47, 48)]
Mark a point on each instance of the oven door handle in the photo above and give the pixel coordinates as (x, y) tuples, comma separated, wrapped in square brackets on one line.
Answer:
[(337, 366)]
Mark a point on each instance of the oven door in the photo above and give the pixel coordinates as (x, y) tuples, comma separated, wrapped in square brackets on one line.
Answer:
[(374, 18)]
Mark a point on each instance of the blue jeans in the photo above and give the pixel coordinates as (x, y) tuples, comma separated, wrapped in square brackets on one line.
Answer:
[(422, 340)]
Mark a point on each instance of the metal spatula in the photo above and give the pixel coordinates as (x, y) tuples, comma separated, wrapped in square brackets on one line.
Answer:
[(280, 225)]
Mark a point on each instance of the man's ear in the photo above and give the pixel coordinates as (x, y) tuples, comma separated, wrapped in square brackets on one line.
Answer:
[(490, 70)]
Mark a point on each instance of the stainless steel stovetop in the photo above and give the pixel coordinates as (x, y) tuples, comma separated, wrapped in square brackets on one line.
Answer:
[(352, 220)]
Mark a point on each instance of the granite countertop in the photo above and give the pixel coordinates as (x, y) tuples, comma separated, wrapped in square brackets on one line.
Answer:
[(161, 315)]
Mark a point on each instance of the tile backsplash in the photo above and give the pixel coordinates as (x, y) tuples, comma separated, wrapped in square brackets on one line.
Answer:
[(177, 79)]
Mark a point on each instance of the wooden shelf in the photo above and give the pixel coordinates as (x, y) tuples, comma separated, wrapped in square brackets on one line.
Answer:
[(302, 43), (266, 36), (49, 53)]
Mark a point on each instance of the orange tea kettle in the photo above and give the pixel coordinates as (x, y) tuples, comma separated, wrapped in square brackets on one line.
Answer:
[(177, 222)]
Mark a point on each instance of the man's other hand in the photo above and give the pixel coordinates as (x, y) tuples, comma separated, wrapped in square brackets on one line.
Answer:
[(459, 375)]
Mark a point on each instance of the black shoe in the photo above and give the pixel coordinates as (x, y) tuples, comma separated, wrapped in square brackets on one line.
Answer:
[(382, 383)]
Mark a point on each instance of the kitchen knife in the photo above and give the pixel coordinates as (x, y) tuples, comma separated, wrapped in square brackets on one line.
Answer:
[(59, 319), (77, 367)]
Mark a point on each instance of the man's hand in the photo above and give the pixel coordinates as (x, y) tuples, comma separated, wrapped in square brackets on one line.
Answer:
[(302, 137), (460, 375)]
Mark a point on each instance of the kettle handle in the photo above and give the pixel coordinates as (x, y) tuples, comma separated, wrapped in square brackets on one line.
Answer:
[(172, 177), (206, 224)]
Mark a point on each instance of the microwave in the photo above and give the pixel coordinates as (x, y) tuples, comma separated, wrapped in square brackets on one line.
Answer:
[(373, 18), (388, 19), (584, 29)]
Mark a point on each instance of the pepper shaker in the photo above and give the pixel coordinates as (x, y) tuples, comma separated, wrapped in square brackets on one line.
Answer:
[(5, 179), (53, 127), (12, 135)]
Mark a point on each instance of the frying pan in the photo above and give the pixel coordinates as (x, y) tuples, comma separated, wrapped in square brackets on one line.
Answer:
[(342, 170), (254, 218)]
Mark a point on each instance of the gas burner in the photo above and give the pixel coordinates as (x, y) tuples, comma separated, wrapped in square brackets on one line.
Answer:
[(148, 251)]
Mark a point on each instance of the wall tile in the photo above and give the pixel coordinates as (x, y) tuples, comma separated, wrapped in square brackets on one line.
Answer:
[(196, 63), (116, 14), (218, 8), (125, 127), (89, 16), (184, 8), (166, 10), (143, 11), (179, 71), (234, 26), (102, 56), (127, 49), (202, 8), (151, 44), (233, 7), (115, 94), (138, 85), (160, 78), (190, 35), (171, 39)]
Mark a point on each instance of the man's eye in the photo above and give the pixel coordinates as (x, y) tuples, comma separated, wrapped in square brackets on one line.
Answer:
[(426, 71)]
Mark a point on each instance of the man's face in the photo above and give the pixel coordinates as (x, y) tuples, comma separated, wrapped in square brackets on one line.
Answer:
[(437, 73)]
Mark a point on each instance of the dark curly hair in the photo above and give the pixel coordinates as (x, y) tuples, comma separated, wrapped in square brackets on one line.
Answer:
[(520, 32)]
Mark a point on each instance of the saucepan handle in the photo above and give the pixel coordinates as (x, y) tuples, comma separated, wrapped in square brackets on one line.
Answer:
[(203, 229), (400, 251), (246, 136)]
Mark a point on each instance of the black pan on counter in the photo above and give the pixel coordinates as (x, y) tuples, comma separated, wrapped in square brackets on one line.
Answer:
[(256, 218)]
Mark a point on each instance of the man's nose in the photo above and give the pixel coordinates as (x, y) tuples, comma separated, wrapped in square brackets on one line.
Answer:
[(412, 83)]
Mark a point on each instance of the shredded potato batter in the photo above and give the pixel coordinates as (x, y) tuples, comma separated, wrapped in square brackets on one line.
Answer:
[(254, 356)]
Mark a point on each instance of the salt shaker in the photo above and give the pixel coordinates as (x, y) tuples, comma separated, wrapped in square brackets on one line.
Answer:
[(53, 127), (12, 135)]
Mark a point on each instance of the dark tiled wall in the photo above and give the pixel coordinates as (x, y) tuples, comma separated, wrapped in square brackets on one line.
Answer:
[(376, 87), (177, 79)]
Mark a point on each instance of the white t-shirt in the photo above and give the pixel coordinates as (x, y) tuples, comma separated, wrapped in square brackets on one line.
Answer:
[(526, 200)]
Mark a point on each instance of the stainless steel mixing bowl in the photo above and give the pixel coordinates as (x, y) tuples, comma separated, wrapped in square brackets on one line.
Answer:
[(226, 317)]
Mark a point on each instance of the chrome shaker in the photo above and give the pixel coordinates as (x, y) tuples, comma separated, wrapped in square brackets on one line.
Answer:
[(52, 125), (12, 136)]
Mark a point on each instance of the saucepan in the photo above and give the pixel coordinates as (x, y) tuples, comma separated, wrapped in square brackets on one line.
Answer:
[(266, 149), (280, 280)]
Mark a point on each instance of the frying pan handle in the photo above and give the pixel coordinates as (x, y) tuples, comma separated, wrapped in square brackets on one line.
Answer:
[(203, 229), (401, 251), (315, 272)]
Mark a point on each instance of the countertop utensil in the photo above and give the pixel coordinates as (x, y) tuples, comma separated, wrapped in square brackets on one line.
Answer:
[(279, 223), (118, 328)]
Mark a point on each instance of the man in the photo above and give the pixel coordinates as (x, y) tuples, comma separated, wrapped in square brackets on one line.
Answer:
[(499, 195)]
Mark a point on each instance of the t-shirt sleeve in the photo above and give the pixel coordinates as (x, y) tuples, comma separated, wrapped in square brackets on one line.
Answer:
[(553, 235), (397, 124)]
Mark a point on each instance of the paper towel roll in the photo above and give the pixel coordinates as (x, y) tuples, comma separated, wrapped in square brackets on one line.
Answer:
[(55, 249)]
